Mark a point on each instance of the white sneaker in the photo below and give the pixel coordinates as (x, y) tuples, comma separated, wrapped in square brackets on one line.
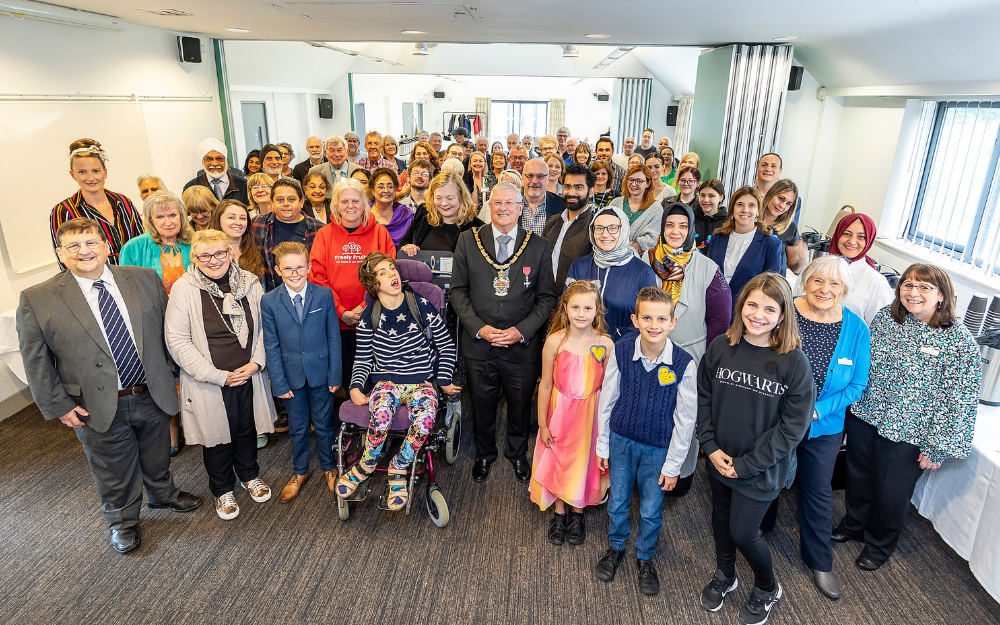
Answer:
[(226, 507), (259, 491)]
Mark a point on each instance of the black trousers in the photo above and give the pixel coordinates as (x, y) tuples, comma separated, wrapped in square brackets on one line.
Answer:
[(240, 455), (815, 499), (735, 521), (487, 379), (134, 452), (682, 487), (881, 476)]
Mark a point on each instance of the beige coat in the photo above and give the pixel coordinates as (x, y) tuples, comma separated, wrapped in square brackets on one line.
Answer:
[(203, 415)]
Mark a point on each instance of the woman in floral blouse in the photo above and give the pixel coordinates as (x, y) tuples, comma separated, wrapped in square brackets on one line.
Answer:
[(919, 408)]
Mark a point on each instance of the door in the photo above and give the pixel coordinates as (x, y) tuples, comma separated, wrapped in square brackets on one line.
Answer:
[(408, 119), (254, 125), (420, 116), (359, 122)]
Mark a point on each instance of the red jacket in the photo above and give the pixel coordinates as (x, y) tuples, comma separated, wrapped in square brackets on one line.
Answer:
[(335, 256)]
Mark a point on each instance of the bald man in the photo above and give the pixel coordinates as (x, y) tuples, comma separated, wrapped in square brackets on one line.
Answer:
[(512, 140), (315, 148), (539, 203)]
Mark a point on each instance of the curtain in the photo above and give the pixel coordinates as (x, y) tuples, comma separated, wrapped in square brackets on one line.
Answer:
[(483, 106), (557, 116), (758, 83), (682, 133), (632, 108)]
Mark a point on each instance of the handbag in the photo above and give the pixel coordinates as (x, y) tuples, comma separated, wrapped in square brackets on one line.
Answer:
[(844, 211)]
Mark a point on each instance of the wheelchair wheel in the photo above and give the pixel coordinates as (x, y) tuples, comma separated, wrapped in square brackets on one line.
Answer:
[(437, 507), (343, 510), (453, 442)]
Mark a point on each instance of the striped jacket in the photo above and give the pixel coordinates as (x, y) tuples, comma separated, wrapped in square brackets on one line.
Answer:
[(127, 220)]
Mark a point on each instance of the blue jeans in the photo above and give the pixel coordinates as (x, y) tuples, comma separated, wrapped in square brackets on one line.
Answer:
[(631, 463), (317, 403)]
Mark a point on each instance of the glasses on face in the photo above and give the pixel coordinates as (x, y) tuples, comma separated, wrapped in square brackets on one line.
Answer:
[(598, 230), (385, 187), (215, 159), (923, 288), (536, 176), (507, 205), (636, 182), (421, 174), (207, 258), (92, 245), (260, 187), (288, 272)]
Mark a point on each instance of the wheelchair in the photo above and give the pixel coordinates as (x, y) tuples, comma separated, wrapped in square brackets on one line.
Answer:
[(443, 437)]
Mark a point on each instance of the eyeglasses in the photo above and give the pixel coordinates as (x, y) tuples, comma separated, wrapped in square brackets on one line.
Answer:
[(923, 288), (608, 229), (420, 174), (260, 187), (207, 258), (635, 182), (288, 272), (385, 187), (92, 245), (535, 176)]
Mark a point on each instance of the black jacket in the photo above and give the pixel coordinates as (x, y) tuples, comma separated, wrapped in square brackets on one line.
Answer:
[(301, 169), (575, 245), (704, 226), (237, 186)]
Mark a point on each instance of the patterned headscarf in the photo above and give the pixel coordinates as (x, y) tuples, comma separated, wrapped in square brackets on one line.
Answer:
[(231, 306), (669, 263)]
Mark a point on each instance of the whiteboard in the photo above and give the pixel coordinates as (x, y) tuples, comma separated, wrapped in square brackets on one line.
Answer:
[(40, 134)]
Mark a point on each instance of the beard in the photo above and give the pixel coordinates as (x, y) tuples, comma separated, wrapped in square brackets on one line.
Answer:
[(575, 203)]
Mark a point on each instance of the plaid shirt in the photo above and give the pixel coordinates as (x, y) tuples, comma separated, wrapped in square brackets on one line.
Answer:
[(371, 165), (263, 236), (536, 222), (127, 220)]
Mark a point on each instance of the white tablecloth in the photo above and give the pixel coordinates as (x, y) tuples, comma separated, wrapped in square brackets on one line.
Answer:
[(10, 352), (962, 500)]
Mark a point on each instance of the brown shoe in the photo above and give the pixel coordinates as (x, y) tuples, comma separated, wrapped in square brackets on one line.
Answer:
[(331, 480), (291, 489)]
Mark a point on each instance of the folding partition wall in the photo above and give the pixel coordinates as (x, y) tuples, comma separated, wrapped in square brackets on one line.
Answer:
[(630, 108)]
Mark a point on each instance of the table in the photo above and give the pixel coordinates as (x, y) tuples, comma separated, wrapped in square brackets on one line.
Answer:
[(962, 500)]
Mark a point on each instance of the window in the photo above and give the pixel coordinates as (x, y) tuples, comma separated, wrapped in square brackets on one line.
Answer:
[(520, 118), (955, 210)]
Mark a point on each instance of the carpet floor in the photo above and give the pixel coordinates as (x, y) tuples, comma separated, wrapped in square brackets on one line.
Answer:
[(299, 563)]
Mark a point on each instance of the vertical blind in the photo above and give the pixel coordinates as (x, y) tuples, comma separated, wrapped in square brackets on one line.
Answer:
[(682, 132), (758, 82), (633, 109), (954, 209)]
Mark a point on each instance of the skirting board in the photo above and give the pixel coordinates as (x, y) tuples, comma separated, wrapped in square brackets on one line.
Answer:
[(15, 404)]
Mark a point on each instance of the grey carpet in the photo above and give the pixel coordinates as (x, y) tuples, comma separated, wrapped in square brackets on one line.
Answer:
[(298, 563)]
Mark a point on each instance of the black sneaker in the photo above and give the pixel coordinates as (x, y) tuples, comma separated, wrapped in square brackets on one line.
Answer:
[(576, 531), (281, 425), (557, 529), (758, 606), (649, 581), (715, 593), (607, 566)]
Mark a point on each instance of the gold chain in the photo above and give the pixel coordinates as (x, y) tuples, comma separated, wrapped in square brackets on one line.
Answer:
[(510, 261)]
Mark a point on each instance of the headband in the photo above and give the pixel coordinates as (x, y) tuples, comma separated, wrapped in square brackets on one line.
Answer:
[(91, 150)]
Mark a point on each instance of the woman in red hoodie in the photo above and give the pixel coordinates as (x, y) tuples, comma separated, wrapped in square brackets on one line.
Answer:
[(338, 249)]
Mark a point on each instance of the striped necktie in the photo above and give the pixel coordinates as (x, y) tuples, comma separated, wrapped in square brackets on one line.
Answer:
[(130, 370)]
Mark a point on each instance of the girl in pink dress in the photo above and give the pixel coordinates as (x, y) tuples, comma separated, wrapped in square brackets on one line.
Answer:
[(565, 467)]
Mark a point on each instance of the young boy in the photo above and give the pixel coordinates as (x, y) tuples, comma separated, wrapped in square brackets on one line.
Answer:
[(395, 353), (647, 414), (302, 343)]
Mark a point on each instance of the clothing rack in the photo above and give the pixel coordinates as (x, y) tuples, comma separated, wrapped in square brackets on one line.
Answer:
[(446, 116)]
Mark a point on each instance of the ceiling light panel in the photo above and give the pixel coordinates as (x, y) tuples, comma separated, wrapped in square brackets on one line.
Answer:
[(377, 11), (167, 12)]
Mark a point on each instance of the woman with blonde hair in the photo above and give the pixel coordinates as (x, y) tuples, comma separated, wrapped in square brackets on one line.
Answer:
[(450, 212), (556, 167), (639, 204), (166, 244), (259, 194), (199, 202), (777, 211)]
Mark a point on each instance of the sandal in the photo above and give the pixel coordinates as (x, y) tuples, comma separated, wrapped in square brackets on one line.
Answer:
[(349, 482), (398, 494)]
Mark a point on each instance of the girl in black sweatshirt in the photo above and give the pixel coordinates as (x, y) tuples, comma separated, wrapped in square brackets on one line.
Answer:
[(755, 403)]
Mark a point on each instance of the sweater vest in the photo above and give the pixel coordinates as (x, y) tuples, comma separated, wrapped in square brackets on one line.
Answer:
[(644, 411)]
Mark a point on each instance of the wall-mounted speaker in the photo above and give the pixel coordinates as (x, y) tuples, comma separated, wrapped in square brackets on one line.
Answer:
[(603, 97), (439, 95), (325, 108), (795, 78), (671, 115), (189, 49)]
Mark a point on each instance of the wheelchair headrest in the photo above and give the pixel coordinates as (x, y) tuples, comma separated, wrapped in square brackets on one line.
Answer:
[(419, 276)]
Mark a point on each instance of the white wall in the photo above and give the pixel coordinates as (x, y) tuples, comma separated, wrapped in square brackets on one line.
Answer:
[(291, 116)]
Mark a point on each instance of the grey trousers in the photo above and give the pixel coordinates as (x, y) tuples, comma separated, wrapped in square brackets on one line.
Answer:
[(135, 451)]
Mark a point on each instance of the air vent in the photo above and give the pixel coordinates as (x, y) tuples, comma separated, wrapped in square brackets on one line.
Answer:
[(167, 12)]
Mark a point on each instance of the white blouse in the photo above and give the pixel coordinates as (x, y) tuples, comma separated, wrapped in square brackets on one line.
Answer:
[(871, 291), (735, 249)]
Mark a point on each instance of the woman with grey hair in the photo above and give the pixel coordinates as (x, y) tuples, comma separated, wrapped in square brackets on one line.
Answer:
[(838, 345), (149, 183)]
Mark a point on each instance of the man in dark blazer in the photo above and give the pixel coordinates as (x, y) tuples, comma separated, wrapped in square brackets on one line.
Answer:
[(569, 232), (314, 145), (216, 175), (93, 349), (503, 291)]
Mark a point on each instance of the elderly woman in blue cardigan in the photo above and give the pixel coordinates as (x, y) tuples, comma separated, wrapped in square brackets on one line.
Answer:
[(166, 244), (837, 343)]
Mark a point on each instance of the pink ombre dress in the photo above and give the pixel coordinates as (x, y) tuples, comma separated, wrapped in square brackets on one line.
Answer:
[(568, 470)]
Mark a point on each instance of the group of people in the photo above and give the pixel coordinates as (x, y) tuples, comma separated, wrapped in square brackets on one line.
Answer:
[(649, 331)]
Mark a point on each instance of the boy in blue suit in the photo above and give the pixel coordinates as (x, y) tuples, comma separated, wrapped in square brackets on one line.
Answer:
[(302, 344)]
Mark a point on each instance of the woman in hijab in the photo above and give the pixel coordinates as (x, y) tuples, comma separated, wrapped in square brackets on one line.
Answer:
[(615, 268), (702, 300), (852, 239)]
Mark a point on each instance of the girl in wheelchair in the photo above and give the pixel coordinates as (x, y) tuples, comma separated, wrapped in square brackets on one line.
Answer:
[(397, 340)]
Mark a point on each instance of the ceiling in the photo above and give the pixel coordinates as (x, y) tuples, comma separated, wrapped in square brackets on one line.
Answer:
[(844, 43)]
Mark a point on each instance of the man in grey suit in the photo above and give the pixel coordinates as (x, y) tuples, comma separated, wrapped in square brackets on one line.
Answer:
[(93, 349), (337, 166)]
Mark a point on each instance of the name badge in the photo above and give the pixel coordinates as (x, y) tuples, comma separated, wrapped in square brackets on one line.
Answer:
[(930, 351), (667, 376), (845, 361)]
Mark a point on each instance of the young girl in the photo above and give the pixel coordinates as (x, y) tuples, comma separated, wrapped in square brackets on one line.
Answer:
[(755, 403), (565, 467)]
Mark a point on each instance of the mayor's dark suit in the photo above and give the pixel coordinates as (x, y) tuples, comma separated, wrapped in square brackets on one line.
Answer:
[(508, 370), (69, 364)]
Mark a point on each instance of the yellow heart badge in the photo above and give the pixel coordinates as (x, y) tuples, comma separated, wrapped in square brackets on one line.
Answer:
[(599, 352), (667, 376)]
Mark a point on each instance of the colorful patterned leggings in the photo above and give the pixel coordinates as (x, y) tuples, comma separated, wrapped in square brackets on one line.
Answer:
[(420, 399)]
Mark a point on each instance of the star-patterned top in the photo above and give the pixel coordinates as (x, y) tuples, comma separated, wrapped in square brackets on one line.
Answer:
[(399, 352)]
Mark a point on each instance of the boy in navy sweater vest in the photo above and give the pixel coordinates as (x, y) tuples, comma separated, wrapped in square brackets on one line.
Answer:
[(647, 414)]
